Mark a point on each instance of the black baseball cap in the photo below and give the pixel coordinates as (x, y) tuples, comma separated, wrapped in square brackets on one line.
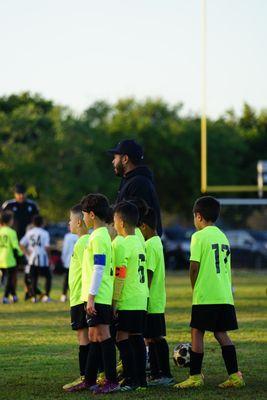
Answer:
[(129, 147), (19, 188)]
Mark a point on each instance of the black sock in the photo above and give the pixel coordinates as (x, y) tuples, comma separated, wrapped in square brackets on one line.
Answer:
[(92, 362), (127, 358), (109, 358), (154, 361), (230, 359), (195, 362), (139, 349), (83, 353), (164, 357)]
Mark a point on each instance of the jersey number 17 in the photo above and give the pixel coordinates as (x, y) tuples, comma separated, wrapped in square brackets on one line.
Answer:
[(225, 249)]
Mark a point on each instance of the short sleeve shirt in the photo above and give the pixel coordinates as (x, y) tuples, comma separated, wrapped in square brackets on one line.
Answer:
[(8, 243), (36, 240), (210, 247), (155, 263), (75, 271), (118, 251), (134, 292), (98, 252)]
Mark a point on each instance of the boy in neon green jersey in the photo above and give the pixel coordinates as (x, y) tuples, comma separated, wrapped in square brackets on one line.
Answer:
[(213, 305), (155, 320), (97, 292), (130, 295), (9, 250), (77, 311)]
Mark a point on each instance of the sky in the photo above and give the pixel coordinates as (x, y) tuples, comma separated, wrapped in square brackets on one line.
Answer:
[(78, 52)]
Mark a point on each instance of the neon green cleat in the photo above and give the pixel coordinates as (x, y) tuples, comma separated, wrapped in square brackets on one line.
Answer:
[(235, 380), (193, 381), (74, 383), (101, 379)]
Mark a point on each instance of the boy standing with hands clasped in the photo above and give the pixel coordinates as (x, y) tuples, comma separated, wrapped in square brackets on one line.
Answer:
[(213, 305)]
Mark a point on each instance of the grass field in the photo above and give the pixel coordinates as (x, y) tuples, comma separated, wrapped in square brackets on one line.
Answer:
[(38, 350)]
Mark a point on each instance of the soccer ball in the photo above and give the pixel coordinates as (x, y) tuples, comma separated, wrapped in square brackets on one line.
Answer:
[(181, 354)]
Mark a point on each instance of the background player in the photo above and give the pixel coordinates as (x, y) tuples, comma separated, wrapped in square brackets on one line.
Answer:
[(67, 249), (213, 305), (9, 251), (35, 245)]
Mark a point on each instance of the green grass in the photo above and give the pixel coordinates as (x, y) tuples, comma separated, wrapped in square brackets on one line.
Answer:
[(38, 350)]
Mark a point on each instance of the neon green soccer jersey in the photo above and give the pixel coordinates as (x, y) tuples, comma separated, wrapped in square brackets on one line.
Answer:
[(155, 263), (140, 236), (134, 292), (118, 251), (210, 247), (98, 252), (75, 271), (8, 243)]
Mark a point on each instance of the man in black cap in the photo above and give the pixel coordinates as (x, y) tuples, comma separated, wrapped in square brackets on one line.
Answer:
[(23, 209), (137, 179)]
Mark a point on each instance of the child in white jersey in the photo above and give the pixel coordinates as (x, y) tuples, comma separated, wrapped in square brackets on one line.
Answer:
[(35, 245)]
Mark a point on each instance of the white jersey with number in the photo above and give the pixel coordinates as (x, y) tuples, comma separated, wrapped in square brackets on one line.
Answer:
[(67, 249), (36, 240)]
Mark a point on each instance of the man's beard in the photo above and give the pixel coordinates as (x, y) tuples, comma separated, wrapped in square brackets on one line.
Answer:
[(119, 170)]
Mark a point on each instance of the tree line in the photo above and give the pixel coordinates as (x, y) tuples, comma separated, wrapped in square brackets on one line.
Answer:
[(61, 155)]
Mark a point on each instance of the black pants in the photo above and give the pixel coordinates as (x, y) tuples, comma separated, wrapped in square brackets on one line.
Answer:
[(11, 281), (65, 281), (41, 271)]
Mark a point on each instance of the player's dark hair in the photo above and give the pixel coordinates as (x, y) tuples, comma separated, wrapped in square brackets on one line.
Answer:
[(150, 219), (77, 210), (128, 212), (141, 206), (6, 217), (99, 205), (208, 207), (37, 220)]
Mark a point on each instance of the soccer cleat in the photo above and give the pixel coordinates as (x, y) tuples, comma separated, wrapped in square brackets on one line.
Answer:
[(163, 381), (79, 386), (126, 385), (74, 383), (63, 298), (46, 299), (108, 387), (235, 380), (101, 379), (15, 299), (5, 300), (193, 381)]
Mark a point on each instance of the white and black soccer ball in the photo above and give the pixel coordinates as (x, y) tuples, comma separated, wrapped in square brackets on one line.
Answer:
[(181, 354)]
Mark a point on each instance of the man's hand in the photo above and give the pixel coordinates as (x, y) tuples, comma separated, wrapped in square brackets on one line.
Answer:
[(90, 308)]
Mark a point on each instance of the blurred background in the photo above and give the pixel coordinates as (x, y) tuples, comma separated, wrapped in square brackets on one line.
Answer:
[(79, 77)]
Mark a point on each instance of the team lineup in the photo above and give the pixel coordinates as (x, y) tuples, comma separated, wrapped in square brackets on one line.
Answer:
[(117, 285)]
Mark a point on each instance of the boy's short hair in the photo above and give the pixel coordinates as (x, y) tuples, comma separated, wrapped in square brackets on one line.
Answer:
[(150, 219), (77, 210), (37, 220), (208, 207), (6, 217), (128, 212), (141, 206), (99, 205)]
